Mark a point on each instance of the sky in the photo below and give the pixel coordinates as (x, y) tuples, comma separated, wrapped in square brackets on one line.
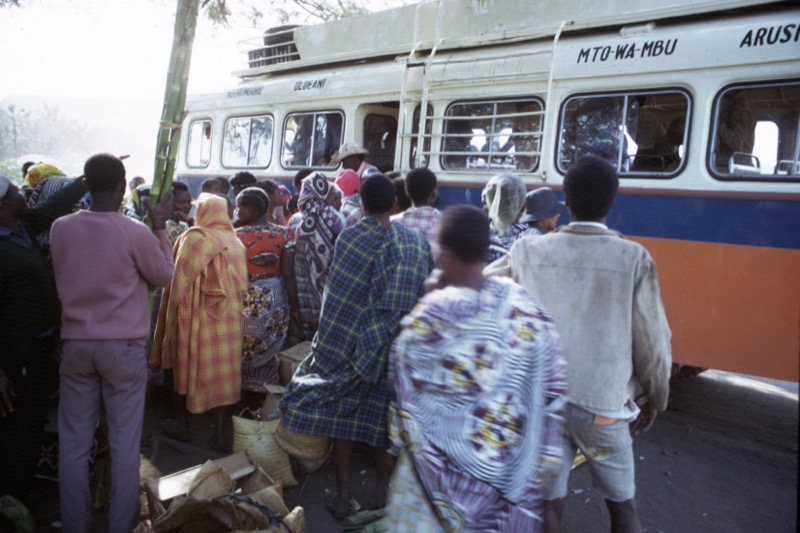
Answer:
[(114, 54)]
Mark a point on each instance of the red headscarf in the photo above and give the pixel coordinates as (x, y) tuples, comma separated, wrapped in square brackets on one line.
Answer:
[(349, 182)]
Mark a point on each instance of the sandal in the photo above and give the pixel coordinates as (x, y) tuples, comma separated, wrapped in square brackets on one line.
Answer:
[(358, 521)]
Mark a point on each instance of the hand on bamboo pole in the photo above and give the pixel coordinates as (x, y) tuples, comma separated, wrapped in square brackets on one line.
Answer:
[(160, 212)]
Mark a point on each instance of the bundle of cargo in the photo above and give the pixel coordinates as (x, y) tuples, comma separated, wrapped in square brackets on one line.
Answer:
[(232, 493)]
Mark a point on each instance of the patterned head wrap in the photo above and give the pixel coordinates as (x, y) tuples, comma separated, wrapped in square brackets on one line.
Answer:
[(314, 187), (503, 198), (40, 172), (320, 226), (318, 216)]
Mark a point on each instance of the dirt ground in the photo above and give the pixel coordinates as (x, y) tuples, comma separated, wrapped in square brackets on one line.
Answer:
[(722, 458)]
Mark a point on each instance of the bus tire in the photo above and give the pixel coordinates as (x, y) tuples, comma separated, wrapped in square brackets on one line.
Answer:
[(684, 372)]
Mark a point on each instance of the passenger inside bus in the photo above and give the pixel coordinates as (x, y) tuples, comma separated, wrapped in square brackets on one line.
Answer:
[(658, 146), (380, 139), (300, 146), (736, 134), (499, 148), (310, 139), (651, 140), (457, 142), (325, 142)]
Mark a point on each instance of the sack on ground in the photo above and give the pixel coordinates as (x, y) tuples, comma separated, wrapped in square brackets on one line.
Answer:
[(257, 438), (302, 445)]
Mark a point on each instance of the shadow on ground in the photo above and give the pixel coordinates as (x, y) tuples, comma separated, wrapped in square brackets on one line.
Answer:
[(722, 458)]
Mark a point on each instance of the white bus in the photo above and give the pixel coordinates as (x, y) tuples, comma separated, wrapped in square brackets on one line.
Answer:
[(696, 103)]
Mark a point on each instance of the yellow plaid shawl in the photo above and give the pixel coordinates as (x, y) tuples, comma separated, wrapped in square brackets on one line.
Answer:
[(199, 328)]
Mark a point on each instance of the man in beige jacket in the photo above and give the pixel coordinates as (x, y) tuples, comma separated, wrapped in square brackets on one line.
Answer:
[(602, 292)]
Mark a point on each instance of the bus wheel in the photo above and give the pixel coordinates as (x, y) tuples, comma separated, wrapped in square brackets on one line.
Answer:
[(684, 372)]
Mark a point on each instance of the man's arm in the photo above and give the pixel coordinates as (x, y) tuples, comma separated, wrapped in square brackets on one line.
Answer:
[(155, 262), (651, 340), (41, 216), (645, 420)]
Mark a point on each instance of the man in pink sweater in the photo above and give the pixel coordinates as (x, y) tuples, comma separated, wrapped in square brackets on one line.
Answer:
[(103, 262)]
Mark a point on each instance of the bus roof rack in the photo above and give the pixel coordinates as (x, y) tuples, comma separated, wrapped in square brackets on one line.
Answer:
[(451, 24)]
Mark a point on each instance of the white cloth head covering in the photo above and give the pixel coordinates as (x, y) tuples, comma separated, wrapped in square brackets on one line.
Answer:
[(503, 198), (5, 184)]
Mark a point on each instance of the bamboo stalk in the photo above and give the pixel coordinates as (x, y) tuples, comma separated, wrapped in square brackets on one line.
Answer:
[(174, 97)]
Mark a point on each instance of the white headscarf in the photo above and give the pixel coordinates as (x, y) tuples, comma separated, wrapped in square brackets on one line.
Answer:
[(503, 198)]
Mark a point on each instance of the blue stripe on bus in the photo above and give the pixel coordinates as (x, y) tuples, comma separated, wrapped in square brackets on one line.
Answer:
[(770, 223)]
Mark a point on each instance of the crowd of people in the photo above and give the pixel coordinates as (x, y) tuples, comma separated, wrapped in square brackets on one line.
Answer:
[(476, 350)]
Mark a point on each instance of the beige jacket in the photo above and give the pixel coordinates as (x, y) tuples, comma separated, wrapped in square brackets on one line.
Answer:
[(602, 293)]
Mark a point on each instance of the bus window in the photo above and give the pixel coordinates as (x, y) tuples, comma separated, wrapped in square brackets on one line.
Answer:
[(755, 132), (198, 149), (311, 139), (247, 142), (380, 138), (641, 133), (424, 156), (495, 135)]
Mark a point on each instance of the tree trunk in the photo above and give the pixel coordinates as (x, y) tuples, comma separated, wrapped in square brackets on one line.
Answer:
[(174, 97)]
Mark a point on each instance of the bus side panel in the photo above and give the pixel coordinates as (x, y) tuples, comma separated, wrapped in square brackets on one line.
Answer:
[(731, 307), (729, 270)]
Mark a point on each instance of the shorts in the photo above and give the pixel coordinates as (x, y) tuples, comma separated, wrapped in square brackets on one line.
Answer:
[(609, 453)]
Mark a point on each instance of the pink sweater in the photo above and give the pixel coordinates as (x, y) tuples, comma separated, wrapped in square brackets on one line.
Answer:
[(103, 262)]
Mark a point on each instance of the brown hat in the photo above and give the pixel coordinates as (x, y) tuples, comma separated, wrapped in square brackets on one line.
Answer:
[(347, 149)]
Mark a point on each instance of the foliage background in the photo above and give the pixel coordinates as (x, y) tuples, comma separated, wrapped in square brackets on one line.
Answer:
[(85, 76)]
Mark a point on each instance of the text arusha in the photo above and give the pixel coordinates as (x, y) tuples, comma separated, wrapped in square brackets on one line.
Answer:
[(771, 35)]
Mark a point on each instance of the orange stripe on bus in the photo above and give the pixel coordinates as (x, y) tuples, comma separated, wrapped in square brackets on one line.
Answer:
[(731, 307)]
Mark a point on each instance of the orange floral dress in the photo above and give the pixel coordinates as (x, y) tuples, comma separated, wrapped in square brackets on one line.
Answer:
[(266, 304)]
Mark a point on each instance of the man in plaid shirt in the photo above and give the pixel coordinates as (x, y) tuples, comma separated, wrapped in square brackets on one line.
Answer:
[(341, 390), (423, 216)]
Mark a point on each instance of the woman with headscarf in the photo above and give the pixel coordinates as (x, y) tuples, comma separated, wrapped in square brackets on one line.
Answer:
[(503, 200), (349, 183), (40, 172), (199, 329), (315, 238), (270, 289), (479, 383)]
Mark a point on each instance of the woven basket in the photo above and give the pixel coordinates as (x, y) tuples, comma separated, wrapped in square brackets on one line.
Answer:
[(258, 439), (302, 445)]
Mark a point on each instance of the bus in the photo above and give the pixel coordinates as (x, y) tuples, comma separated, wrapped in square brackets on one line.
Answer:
[(695, 103)]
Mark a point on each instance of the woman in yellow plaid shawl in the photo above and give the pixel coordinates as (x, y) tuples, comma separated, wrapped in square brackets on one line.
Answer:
[(199, 329)]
